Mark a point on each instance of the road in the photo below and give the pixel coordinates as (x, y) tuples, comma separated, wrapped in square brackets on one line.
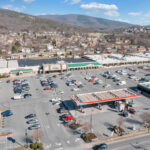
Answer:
[(141, 143), (55, 134)]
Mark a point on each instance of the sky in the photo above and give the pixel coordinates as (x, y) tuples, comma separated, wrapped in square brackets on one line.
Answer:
[(131, 11)]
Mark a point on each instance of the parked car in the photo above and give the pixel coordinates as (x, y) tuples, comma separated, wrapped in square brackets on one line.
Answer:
[(7, 113), (27, 95), (57, 103), (101, 146), (55, 99), (54, 76), (18, 90), (8, 81), (147, 75), (75, 89), (30, 116), (91, 80), (11, 139), (17, 97), (121, 83), (125, 114), (32, 121), (61, 92), (47, 88), (132, 110), (35, 126), (16, 80), (106, 85), (80, 86), (93, 77), (67, 117)]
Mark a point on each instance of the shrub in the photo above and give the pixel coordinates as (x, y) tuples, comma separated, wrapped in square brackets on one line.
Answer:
[(88, 137), (36, 145)]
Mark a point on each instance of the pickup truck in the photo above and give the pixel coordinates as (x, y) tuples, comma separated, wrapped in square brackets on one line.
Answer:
[(17, 97)]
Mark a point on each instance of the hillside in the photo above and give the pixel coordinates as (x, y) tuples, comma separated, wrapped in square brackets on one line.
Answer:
[(14, 21), (87, 21)]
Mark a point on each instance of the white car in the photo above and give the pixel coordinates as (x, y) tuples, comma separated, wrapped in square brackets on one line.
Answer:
[(121, 83), (106, 85), (87, 78), (55, 99), (61, 92), (17, 97), (57, 103), (75, 89)]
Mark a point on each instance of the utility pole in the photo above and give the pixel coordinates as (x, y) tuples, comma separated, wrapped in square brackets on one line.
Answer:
[(26, 134), (91, 122), (6, 143)]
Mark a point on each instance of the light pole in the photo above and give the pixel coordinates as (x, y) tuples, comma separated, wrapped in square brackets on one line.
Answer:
[(91, 120), (6, 144), (26, 134)]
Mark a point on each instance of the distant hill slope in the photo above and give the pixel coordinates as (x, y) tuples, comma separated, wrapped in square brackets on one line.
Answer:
[(14, 21), (87, 21)]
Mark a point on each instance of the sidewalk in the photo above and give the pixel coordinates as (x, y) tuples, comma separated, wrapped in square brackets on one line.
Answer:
[(113, 139)]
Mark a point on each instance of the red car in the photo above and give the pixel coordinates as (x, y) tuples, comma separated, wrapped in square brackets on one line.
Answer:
[(16, 80), (131, 110), (91, 80), (67, 117), (93, 77), (47, 88)]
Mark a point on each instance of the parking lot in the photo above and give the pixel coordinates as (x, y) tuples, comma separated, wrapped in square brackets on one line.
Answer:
[(54, 134)]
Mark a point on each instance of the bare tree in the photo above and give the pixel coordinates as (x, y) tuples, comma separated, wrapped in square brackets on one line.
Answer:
[(85, 127), (146, 120), (120, 121), (37, 134)]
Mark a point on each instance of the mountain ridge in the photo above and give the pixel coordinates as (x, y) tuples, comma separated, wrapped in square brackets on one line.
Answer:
[(87, 21), (16, 21)]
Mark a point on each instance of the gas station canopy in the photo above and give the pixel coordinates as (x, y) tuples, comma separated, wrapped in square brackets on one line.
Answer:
[(103, 96)]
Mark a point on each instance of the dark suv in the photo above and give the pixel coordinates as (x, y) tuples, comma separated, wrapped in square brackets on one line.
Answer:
[(30, 116)]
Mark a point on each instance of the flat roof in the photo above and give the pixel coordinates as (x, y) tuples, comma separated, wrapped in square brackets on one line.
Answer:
[(21, 70), (40, 62), (144, 85), (103, 96), (83, 64), (117, 58)]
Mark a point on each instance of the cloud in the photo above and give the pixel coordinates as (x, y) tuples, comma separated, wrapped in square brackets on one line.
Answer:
[(72, 2), (145, 20), (147, 15), (134, 14), (123, 20), (11, 7), (106, 9), (28, 1)]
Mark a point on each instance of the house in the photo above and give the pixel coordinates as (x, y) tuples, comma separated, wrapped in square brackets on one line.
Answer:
[(26, 50)]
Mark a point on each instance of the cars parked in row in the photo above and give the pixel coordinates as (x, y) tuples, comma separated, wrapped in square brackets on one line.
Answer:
[(21, 89)]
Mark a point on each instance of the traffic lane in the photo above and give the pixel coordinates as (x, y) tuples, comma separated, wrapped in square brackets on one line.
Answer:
[(55, 134), (136, 143), (6, 91)]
